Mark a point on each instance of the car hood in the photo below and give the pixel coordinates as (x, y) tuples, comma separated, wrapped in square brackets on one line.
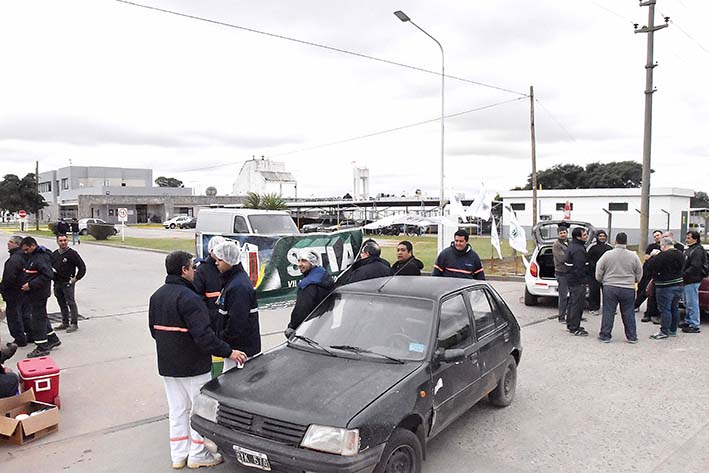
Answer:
[(305, 388)]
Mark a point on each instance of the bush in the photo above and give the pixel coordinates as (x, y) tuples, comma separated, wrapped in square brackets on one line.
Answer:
[(52, 227), (101, 231)]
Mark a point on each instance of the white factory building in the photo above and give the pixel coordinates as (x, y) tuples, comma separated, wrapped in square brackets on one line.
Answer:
[(618, 209), (264, 176)]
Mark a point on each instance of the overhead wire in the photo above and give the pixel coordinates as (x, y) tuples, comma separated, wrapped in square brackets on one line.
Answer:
[(318, 45), (365, 136)]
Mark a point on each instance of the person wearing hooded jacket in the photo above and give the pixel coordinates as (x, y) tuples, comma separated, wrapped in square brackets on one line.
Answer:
[(595, 251), (312, 289), (459, 260), (406, 263), (369, 266), (208, 284), (19, 319), (577, 276), (237, 302), (36, 283)]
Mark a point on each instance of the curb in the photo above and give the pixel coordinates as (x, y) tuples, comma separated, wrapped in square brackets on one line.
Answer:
[(134, 248)]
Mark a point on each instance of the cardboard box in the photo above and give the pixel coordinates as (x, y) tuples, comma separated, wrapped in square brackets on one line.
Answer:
[(37, 426)]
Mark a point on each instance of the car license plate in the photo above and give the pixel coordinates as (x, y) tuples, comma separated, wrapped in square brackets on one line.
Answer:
[(253, 459)]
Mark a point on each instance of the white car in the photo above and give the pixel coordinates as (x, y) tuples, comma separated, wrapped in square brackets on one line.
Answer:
[(177, 221), (84, 225), (539, 279)]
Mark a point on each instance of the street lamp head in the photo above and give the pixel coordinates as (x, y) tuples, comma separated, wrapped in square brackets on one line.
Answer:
[(402, 16)]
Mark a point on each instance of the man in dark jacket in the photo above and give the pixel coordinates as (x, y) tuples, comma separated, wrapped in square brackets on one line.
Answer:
[(179, 323), (312, 289), (595, 251), (577, 276), (208, 284), (19, 318), (558, 251), (69, 268), (666, 270), (36, 282), (9, 381), (459, 260), (369, 266), (406, 263), (651, 307), (237, 302), (693, 271)]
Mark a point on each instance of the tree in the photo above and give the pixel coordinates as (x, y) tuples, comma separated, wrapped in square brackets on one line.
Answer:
[(616, 174), (210, 191), (163, 181), (264, 201), (700, 200), (17, 194), (252, 201)]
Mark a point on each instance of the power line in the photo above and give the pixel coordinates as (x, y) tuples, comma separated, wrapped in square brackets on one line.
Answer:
[(613, 12), (674, 23), (548, 112), (368, 135), (318, 45)]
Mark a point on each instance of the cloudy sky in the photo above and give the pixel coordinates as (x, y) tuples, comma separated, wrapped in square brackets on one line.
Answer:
[(104, 83)]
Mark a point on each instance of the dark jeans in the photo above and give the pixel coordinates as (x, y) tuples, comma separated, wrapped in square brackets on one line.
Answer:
[(576, 303), (8, 384), (612, 297), (668, 302), (642, 287), (563, 295), (594, 295), (19, 319), (64, 292)]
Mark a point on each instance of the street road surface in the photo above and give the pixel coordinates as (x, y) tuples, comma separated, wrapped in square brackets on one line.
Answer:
[(581, 405)]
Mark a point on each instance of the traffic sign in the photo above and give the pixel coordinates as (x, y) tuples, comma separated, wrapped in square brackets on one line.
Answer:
[(22, 214), (122, 214)]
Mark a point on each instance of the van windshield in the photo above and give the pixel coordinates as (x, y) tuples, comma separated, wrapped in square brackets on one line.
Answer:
[(273, 225)]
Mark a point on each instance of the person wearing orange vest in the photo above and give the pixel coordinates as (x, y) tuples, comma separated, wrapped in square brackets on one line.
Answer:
[(459, 260), (208, 284)]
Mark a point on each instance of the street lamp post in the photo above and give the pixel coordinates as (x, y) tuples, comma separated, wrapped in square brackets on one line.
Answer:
[(404, 18)]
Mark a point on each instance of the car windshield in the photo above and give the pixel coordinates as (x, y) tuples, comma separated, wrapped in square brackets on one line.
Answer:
[(386, 326), (273, 224)]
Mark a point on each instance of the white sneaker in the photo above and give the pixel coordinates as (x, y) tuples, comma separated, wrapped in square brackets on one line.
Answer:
[(178, 465), (213, 459)]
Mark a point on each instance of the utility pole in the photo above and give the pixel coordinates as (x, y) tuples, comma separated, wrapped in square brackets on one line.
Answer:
[(534, 156), (647, 136), (36, 182)]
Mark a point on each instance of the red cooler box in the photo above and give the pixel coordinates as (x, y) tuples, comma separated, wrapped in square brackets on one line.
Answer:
[(42, 376)]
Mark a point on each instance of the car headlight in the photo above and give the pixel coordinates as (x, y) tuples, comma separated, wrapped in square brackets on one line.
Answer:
[(331, 440), (206, 407)]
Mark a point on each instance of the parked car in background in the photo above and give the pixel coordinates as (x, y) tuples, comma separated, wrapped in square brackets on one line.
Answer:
[(190, 222), (84, 225), (314, 227), (365, 392), (176, 221), (540, 278)]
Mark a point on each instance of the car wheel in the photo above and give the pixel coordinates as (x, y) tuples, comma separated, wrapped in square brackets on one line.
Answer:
[(529, 298), (403, 454), (172, 225), (83, 232), (503, 394)]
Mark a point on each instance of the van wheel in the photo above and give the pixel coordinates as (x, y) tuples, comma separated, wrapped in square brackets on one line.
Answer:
[(403, 454), (529, 298), (503, 394)]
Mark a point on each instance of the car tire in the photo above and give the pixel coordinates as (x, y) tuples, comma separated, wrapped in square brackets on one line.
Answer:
[(403, 453), (172, 225), (529, 298), (504, 393), (84, 232)]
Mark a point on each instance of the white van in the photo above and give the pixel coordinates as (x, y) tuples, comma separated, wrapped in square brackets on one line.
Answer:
[(230, 221)]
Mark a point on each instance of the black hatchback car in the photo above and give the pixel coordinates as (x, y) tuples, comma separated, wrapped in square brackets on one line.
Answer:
[(378, 368)]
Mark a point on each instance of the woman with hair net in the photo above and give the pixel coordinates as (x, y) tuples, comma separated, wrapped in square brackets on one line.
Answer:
[(316, 284), (237, 302), (208, 284)]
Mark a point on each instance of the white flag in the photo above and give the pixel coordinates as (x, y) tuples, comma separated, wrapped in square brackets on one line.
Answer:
[(481, 206), (518, 239), (495, 238), (455, 205)]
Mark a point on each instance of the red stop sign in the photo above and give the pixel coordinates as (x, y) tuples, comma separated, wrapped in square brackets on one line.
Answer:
[(22, 214)]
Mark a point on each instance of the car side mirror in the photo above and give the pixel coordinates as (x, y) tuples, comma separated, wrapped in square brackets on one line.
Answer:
[(453, 355)]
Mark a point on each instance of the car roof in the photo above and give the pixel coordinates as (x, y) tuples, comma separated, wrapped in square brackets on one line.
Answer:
[(243, 212), (424, 287)]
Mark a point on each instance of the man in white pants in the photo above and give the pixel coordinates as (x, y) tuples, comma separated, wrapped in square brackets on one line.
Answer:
[(185, 342)]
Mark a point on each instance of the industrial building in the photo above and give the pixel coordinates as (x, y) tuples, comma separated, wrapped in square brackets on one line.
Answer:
[(264, 176)]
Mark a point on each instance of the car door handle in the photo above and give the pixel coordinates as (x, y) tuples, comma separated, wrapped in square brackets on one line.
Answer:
[(473, 357)]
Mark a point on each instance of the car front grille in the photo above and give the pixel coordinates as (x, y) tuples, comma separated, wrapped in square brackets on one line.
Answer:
[(278, 430)]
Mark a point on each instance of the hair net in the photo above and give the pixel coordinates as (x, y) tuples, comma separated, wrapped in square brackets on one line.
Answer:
[(228, 251), (214, 241), (309, 255)]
